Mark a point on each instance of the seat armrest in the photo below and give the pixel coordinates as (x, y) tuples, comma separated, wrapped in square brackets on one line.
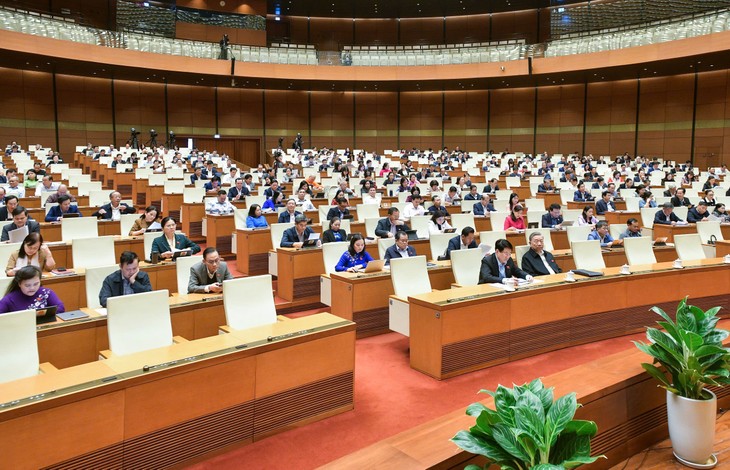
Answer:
[(282, 318), (224, 329), (46, 367), (179, 339), (105, 354)]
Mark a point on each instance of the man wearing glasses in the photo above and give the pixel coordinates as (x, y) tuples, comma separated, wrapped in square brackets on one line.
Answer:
[(208, 275)]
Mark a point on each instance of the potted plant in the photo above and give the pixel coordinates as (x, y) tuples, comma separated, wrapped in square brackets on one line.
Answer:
[(690, 350), (528, 430)]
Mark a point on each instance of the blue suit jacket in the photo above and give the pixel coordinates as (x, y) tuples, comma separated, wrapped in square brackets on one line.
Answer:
[(455, 244), (479, 209), (290, 237), (55, 212), (284, 216), (392, 252)]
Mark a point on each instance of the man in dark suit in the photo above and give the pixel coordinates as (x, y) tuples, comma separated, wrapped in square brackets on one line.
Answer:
[(666, 215), (698, 213), (499, 267), (20, 219), (290, 214), (537, 261), (546, 186), (269, 192), (340, 210), (552, 219), (492, 186), (389, 226), (400, 249), (6, 212), (128, 280), (679, 199), (114, 209), (473, 195), (209, 274), (461, 242), (238, 191), (605, 204), (296, 236), (484, 206)]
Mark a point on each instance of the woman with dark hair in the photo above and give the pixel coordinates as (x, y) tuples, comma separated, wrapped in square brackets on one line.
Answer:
[(709, 198), (721, 213), (647, 200), (414, 190), (587, 217), (515, 221), (366, 185), (355, 258), (25, 292), (170, 242), (272, 203), (334, 233), (145, 220), (514, 199), (255, 218), (438, 223), (33, 252)]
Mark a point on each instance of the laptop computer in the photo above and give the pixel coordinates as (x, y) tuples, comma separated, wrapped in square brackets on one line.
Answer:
[(373, 266), (45, 315), (450, 230), (180, 254), (412, 234), (72, 315), (70, 215)]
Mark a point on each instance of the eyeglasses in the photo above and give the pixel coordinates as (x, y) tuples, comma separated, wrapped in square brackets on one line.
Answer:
[(213, 261)]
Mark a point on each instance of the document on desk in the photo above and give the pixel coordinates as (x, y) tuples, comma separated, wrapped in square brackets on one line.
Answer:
[(520, 283), (154, 226)]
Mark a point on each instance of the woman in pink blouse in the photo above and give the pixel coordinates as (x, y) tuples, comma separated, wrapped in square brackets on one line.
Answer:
[(516, 220)]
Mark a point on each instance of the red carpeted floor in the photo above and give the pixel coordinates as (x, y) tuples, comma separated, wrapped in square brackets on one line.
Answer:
[(390, 397)]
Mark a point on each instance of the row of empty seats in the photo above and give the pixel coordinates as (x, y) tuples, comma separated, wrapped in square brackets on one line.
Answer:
[(438, 56), (609, 41)]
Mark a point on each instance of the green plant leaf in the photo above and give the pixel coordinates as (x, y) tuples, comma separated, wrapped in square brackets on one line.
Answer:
[(504, 436), (657, 374), (533, 402), (560, 414), (528, 421), (662, 314), (475, 409), (471, 466), (478, 446), (708, 350), (581, 428), (486, 420), (547, 466), (578, 461)]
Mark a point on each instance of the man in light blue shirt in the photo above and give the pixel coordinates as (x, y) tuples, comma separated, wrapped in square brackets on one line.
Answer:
[(601, 234)]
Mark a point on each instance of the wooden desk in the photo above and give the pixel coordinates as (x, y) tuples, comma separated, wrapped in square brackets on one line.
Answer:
[(620, 217), (191, 219), (480, 326), (252, 248), (614, 391), (722, 248), (550, 198), (669, 231), (121, 182), (170, 405), (219, 232), (620, 205), (171, 204), (363, 298), (153, 195)]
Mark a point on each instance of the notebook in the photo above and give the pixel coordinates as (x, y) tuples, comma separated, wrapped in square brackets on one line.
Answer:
[(45, 315)]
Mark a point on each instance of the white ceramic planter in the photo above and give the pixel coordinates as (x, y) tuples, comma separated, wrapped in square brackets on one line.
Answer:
[(692, 427)]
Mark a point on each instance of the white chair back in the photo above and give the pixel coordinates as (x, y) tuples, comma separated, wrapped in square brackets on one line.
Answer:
[(578, 233), (383, 245), (546, 234), (490, 238), (79, 227), (139, 322), (249, 302), (419, 223), (331, 254), (193, 195), (92, 252), (239, 218), (409, 276), (639, 250), (174, 187), (647, 216), (632, 204), (7, 249), (18, 345), (98, 198), (94, 280), (254, 199), (371, 224), (182, 271), (497, 220), (438, 243), (459, 221), (465, 264), (125, 223), (587, 255), (520, 251), (277, 231), (681, 212), (366, 211), (689, 247), (708, 229), (86, 186)]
